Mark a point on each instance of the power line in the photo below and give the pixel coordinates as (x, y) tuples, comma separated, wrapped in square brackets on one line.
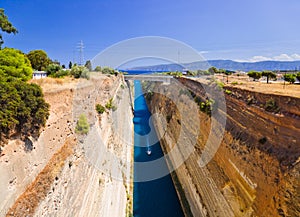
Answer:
[(80, 48)]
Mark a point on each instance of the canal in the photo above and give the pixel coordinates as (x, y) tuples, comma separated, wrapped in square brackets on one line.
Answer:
[(155, 197)]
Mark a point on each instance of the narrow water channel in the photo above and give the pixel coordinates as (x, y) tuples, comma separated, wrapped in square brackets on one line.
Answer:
[(153, 198)]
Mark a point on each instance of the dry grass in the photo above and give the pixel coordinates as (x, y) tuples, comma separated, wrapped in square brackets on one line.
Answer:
[(26, 204), (279, 88), (44, 81), (55, 84)]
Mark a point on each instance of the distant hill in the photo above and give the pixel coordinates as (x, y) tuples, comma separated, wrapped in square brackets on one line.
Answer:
[(225, 64)]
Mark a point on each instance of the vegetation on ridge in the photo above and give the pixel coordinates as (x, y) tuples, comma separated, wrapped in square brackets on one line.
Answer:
[(23, 109)]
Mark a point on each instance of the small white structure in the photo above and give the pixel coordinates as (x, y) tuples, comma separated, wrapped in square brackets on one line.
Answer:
[(39, 74)]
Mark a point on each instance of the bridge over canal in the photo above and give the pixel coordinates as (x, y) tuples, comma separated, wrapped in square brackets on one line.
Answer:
[(143, 77)]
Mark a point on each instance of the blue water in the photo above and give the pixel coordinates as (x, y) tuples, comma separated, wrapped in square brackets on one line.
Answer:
[(154, 198)]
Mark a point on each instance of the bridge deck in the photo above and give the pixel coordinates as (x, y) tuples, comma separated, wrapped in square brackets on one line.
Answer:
[(161, 78)]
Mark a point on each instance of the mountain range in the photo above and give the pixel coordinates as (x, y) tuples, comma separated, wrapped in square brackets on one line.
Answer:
[(224, 64)]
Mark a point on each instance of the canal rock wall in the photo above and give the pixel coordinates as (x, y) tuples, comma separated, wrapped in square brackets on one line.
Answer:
[(255, 171), (59, 178)]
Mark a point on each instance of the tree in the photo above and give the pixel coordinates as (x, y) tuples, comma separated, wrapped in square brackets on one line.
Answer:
[(52, 69), (213, 70), (98, 69), (39, 59), (70, 65), (269, 75), (291, 78), (23, 109), (254, 74), (14, 64), (88, 65), (33, 111), (222, 71), (227, 73), (5, 26)]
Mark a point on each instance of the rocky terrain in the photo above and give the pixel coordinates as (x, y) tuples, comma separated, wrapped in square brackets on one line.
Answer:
[(255, 171), (67, 174)]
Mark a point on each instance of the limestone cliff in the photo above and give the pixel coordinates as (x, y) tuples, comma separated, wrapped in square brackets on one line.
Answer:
[(255, 171), (67, 174)]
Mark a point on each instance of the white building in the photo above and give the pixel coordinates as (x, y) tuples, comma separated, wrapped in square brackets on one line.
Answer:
[(39, 74)]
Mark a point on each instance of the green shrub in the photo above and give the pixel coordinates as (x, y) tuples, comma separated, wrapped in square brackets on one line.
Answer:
[(234, 83), (228, 92), (250, 100), (100, 109), (82, 126), (60, 74), (220, 85), (80, 72), (97, 69), (149, 95), (85, 74), (109, 104), (175, 74), (109, 71), (206, 106), (271, 106), (52, 69)]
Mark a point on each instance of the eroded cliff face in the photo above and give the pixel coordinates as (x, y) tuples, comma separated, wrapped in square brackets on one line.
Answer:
[(67, 174), (255, 171)]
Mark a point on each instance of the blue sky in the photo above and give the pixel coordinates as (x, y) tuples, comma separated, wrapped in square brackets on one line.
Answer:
[(219, 29)]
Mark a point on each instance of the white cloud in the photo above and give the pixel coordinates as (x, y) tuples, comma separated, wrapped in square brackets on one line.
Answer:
[(281, 57), (259, 58), (295, 56), (254, 59), (203, 52)]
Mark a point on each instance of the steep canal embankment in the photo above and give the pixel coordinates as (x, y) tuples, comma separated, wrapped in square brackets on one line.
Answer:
[(64, 176), (255, 171)]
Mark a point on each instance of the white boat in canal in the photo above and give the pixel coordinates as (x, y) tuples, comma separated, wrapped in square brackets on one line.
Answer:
[(148, 148), (148, 151)]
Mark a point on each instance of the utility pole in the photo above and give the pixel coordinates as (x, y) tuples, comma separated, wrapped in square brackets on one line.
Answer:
[(80, 48)]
